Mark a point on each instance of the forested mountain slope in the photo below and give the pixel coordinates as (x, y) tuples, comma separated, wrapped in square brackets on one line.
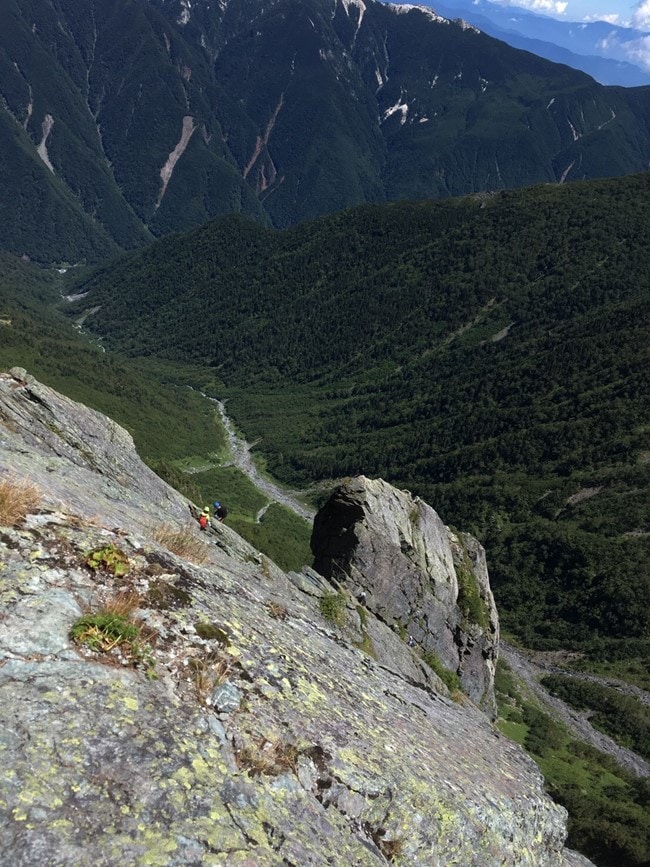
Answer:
[(119, 122), (491, 352)]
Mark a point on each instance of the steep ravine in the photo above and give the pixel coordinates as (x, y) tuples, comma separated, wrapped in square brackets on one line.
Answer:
[(244, 461)]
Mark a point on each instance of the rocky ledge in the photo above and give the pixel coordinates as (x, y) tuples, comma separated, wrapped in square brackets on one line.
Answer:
[(240, 723)]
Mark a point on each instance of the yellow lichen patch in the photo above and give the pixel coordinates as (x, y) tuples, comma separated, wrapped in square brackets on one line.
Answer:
[(183, 777), (311, 693), (201, 767), (19, 814), (131, 702), (61, 824), (365, 762), (158, 848)]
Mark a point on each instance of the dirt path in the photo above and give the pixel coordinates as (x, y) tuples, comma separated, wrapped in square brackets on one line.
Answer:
[(243, 460), (577, 721)]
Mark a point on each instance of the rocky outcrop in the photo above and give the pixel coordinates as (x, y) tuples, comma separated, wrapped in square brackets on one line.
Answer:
[(241, 726), (415, 574)]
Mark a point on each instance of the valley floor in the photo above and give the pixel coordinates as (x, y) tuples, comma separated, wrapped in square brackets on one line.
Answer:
[(578, 723)]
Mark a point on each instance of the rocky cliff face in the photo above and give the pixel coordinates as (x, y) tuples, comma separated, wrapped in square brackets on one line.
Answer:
[(416, 575), (237, 724)]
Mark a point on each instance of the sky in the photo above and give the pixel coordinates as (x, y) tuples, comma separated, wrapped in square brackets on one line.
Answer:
[(615, 11)]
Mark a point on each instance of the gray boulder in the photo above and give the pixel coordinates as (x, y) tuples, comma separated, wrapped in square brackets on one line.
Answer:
[(392, 551)]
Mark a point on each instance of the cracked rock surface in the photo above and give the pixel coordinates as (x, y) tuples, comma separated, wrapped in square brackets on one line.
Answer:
[(253, 731)]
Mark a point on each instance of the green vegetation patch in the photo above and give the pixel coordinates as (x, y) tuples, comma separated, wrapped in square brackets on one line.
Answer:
[(332, 606), (623, 717), (609, 819), (470, 602), (111, 632), (447, 676), (109, 558)]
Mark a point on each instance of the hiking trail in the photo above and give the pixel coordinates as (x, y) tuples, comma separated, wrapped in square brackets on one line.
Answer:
[(240, 451)]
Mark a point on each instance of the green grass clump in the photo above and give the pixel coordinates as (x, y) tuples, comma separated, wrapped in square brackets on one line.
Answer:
[(104, 631), (112, 630), (332, 607), (446, 675)]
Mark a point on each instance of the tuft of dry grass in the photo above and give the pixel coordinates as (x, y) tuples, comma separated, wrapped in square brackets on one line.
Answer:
[(182, 541), (276, 610), (18, 498), (122, 603), (268, 758), (392, 848), (210, 671)]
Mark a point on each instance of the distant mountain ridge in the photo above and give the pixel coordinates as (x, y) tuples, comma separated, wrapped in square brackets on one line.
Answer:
[(604, 51), (117, 125)]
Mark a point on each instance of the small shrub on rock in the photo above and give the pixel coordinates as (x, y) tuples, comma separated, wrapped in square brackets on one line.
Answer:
[(332, 607), (108, 559)]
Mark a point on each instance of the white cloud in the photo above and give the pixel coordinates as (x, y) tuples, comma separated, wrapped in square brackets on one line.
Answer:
[(614, 18), (549, 7), (638, 51), (641, 15)]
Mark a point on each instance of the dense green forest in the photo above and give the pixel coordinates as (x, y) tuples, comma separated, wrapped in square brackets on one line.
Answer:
[(488, 353)]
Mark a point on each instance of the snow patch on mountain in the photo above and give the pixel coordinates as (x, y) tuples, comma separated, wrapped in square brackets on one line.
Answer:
[(261, 143), (358, 4), (186, 13), (576, 135)]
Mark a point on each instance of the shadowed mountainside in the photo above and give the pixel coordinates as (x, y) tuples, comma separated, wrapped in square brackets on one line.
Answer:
[(119, 124)]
